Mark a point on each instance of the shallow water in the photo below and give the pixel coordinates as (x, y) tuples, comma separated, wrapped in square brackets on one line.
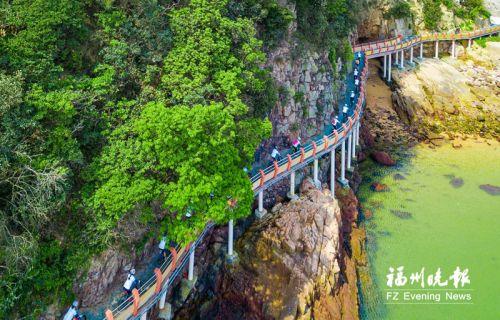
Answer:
[(428, 220)]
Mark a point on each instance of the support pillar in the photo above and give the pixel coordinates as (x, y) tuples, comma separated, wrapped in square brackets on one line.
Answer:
[(402, 59), (385, 66), (469, 44), (357, 132), (389, 75), (354, 143), (397, 57), (230, 239), (343, 180), (315, 172), (144, 316), (453, 49), (291, 195), (332, 172), (191, 265), (411, 55), (436, 55), (349, 151), (161, 304), (260, 211), (421, 50)]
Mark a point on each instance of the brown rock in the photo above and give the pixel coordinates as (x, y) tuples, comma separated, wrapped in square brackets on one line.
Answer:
[(379, 187), (456, 144), (383, 158)]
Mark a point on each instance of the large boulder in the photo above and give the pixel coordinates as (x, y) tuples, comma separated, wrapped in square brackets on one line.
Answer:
[(383, 158)]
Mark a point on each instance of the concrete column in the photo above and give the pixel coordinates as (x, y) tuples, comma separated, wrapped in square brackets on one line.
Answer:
[(315, 172), (332, 172), (292, 183), (230, 239), (343, 180), (436, 55), (354, 143), (469, 44), (357, 133), (411, 55), (261, 200), (163, 297), (397, 57), (191, 265), (453, 49), (385, 66), (389, 75), (144, 316), (349, 151), (402, 58), (421, 50)]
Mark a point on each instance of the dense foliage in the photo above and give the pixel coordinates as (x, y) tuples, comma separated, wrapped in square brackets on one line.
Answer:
[(399, 10), (119, 117), (467, 10)]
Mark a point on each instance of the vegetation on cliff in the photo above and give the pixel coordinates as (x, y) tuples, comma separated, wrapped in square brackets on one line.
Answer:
[(120, 115)]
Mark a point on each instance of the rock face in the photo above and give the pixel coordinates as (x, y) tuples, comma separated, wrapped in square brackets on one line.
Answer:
[(106, 273), (295, 254), (451, 94), (307, 87)]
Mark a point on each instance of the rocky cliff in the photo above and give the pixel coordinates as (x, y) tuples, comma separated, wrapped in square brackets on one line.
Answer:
[(294, 264), (456, 95)]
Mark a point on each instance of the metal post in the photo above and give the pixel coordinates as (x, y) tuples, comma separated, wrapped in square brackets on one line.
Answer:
[(421, 51), (411, 55), (349, 150), (162, 300), (292, 183), (437, 50), (315, 172), (230, 239), (191, 265), (453, 49), (402, 59), (389, 75), (385, 66), (354, 143), (332, 172)]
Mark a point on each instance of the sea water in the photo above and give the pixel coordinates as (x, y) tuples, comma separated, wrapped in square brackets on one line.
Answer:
[(434, 216)]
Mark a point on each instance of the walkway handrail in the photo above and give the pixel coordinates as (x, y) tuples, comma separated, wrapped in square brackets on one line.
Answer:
[(392, 45)]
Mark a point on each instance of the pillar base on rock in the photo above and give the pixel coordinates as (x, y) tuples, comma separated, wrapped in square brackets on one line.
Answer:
[(232, 258), (166, 312), (351, 169), (260, 214), (343, 182), (292, 197)]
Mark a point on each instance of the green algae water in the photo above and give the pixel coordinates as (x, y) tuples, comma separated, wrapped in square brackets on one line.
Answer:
[(434, 215)]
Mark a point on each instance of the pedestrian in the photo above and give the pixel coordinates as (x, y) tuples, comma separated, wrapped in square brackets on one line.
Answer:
[(72, 312), (131, 282), (275, 154), (356, 85), (296, 144), (344, 111), (162, 246), (335, 123), (356, 72), (352, 98)]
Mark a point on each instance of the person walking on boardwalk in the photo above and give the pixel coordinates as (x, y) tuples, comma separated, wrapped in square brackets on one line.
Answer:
[(344, 112), (296, 144), (335, 123), (131, 282), (162, 246), (356, 85), (356, 72), (275, 154), (352, 98)]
